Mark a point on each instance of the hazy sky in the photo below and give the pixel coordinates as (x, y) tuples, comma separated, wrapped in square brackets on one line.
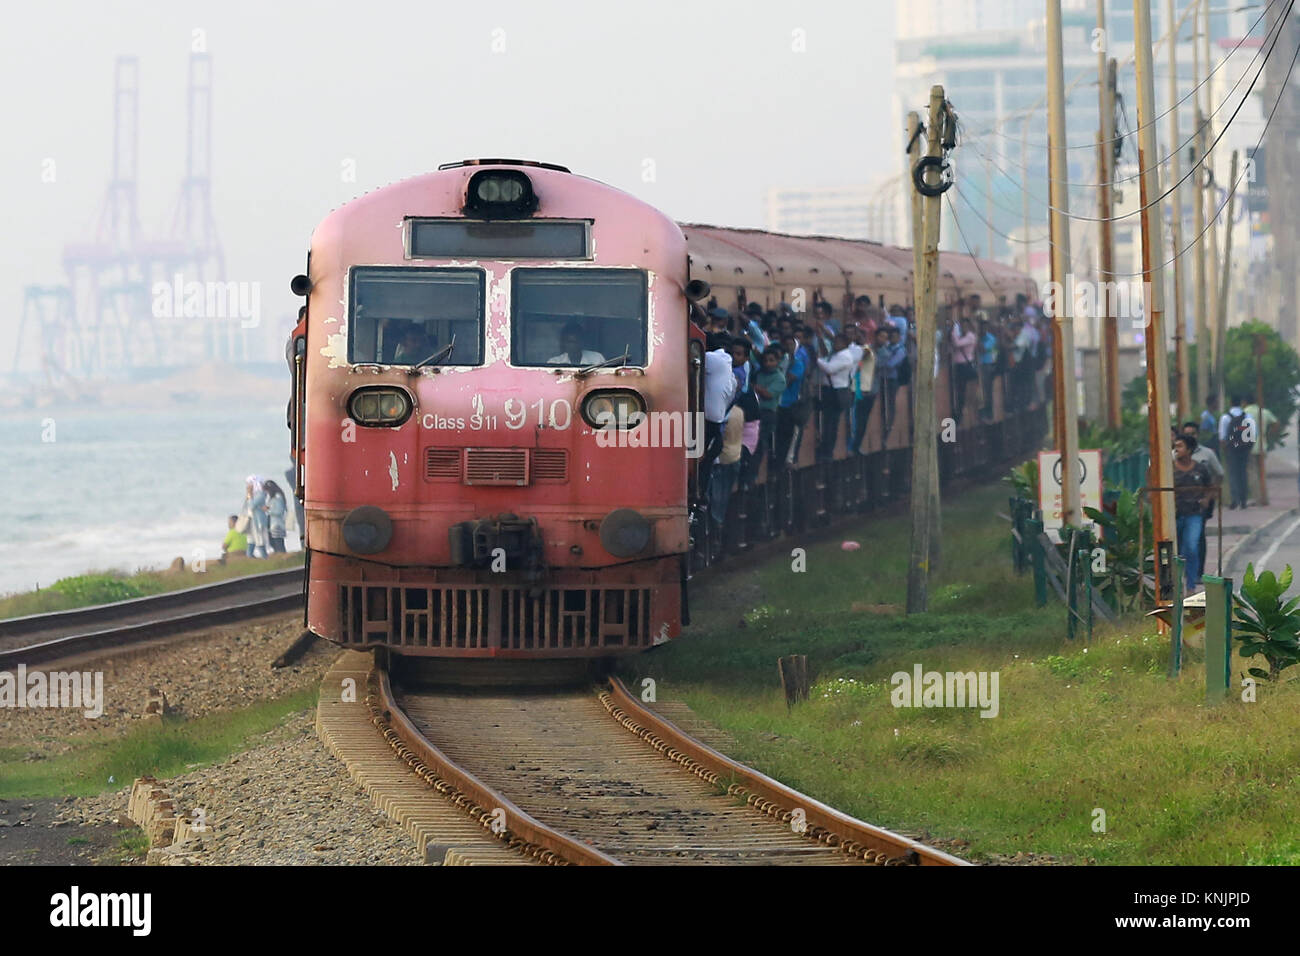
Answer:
[(712, 92)]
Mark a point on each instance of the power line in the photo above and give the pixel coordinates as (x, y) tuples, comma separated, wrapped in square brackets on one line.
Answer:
[(957, 223), (1130, 133), (1030, 110), (1201, 162)]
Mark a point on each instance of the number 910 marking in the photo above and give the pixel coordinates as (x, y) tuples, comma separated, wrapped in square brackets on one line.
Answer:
[(559, 417)]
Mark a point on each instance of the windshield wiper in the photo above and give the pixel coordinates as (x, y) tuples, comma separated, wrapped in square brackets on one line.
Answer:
[(438, 356), (617, 360)]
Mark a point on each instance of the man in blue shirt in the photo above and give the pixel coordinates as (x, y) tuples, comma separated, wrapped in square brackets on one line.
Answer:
[(791, 415)]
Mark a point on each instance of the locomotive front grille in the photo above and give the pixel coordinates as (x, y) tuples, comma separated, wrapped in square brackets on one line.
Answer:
[(442, 464), (496, 466), (486, 618)]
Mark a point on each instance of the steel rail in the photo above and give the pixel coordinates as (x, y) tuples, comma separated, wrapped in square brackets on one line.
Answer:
[(824, 823), (480, 800), (62, 647), (105, 613)]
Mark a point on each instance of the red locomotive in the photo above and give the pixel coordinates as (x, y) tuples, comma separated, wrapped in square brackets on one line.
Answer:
[(468, 332), (496, 406)]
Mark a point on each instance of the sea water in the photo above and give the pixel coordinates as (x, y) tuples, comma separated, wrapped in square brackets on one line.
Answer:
[(98, 489)]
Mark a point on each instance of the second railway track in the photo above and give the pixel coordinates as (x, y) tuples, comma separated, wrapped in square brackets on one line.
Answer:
[(39, 638)]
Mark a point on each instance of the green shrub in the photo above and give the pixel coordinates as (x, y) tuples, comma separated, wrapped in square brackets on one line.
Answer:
[(97, 588), (1265, 625)]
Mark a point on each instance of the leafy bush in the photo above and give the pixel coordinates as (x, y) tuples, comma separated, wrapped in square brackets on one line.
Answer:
[(1120, 442), (1264, 624), (1023, 480), (1120, 532), (97, 589)]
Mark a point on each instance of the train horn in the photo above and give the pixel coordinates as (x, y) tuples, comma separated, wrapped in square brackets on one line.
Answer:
[(300, 285), (697, 289)]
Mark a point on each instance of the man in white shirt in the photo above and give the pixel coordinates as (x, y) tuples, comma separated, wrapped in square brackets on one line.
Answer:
[(574, 353), (1237, 436), (838, 369), (720, 387)]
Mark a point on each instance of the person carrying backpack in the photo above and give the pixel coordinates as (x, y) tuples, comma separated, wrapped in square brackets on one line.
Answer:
[(1237, 435)]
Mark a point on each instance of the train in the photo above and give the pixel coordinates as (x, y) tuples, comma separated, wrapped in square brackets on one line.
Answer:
[(497, 394)]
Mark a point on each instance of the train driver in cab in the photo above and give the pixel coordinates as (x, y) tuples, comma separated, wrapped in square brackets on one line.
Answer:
[(571, 337)]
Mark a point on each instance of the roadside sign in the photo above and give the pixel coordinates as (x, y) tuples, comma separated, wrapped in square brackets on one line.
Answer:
[(1049, 486)]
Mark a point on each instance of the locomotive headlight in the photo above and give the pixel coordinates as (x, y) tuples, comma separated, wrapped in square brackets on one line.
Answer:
[(379, 406), (500, 193), (367, 530), (625, 533), (613, 408)]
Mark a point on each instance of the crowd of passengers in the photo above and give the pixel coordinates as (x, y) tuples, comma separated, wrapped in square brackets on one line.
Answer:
[(773, 378)]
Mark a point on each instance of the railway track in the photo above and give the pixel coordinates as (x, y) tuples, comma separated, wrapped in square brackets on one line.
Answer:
[(39, 638), (581, 777)]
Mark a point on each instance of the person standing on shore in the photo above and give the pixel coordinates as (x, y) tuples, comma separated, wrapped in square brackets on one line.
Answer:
[(255, 502), (276, 510)]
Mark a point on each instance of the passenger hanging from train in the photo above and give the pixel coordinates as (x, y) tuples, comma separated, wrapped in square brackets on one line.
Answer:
[(724, 475), (719, 321), (892, 359), (810, 397), (752, 326), (791, 413), (769, 386), (740, 350), (897, 317), (988, 365), (749, 438), (864, 317), (838, 368), (571, 342), (964, 341), (866, 382), (719, 391)]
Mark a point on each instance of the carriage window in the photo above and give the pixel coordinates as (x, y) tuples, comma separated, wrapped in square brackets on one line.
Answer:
[(578, 317), (406, 316)]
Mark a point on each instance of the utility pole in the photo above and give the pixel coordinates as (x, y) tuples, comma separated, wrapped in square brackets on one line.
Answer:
[(1221, 330), (1063, 340), (918, 217), (1212, 319), (1198, 223), (923, 430), (1180, 315), (1161, 474), (1261, 347), (1106, 255)]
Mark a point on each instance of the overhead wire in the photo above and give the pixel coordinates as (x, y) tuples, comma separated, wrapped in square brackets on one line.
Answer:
[(1192, 171), (1127, 137), (1029, 111)]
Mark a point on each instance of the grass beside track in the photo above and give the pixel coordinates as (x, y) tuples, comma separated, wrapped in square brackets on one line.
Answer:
[(1081, 728), (163, 749), (105, 587)]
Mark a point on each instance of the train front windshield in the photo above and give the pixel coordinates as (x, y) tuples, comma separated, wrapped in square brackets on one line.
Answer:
[(577, 317), (410, 316)]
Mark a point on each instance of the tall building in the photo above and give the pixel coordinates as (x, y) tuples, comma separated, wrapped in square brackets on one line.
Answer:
[(851, 212), (991, 57)]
